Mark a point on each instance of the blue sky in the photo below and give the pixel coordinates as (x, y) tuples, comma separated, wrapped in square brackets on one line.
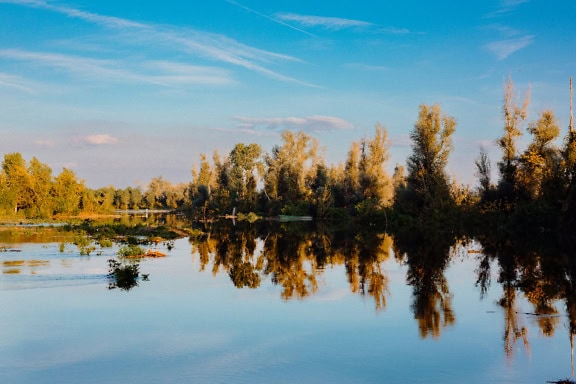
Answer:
[(124, 91)]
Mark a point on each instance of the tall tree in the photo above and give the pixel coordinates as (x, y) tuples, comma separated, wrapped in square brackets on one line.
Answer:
[(18, 181), (41, 180), (483, 172), (244, 170), (427, 183), (514, 115), (540, 163), (288, 168), (352, 191), (67, 191), (374, 181)]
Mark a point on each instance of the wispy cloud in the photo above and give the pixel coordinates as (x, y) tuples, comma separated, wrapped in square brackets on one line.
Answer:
[(367, 67), (506, 6), (44, 143), (18, 83), (333, 23), (308, 124), (246, 131), (395, 31), (207, 45), (504, 48), (102, 139), (273, 19), (164, 73)]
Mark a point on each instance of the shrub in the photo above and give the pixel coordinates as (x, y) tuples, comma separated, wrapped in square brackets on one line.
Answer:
[(123, 276), (130, 251)]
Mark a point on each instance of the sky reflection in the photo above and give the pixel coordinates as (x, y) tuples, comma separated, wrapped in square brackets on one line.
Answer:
[(188, 324)]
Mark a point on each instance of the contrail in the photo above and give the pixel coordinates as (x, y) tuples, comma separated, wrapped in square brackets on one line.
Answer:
[(270, 18)]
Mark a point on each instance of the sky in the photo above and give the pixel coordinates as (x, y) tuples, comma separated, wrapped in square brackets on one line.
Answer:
[(121, 92)]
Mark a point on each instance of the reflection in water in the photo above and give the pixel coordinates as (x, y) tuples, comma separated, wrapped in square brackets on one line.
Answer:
[(14, 267), (540, 270), (294, 258), (427, 253)]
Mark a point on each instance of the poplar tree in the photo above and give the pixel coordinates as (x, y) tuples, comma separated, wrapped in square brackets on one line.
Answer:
[(427, 187), (514, 115)]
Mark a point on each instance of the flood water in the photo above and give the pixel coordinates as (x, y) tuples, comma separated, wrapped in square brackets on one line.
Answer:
[(281, 307)]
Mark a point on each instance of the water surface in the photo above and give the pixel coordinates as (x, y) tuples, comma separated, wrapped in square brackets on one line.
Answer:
[(343, 317)]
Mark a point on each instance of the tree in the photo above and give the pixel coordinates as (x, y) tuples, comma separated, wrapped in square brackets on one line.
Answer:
[(244, 170), (352, 191), (514, 115), (483, 172), (375, 184), (41, 182), (202, 185), (67, 191), (288, 168), (427, 187), (18, 182), (540, 162)]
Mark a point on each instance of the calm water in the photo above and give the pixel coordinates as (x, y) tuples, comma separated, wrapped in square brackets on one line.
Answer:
[(329, 318)]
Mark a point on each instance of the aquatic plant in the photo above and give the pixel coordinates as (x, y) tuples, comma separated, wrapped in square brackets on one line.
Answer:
[(122, 275), (131, 251), (84, 244)]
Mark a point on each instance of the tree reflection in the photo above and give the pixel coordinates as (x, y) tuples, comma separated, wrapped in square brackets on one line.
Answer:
[(363, 260), (294, 255), (535, 268), (427, 252)]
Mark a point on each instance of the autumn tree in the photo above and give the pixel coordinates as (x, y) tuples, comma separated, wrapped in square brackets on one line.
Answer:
[(351, 188), (66, 191), (374, 182), (541, 161), (514, 115), (41, 183), (288, 168), (18, 183), (427, 188)]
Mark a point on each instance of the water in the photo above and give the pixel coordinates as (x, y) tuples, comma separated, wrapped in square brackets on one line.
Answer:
[(344, 317)]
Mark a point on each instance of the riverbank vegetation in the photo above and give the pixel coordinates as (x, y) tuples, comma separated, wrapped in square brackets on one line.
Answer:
[(535, 190)]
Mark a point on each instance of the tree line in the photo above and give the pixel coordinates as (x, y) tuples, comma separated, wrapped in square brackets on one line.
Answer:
[(30, 190), (536, 186)]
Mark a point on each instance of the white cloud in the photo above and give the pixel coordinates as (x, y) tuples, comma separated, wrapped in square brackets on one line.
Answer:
[(163, 73), (275, 20), (506, 6), (367, 67), (333, 23), (395, 31), (209, 45), (16, 82), (308, 124), (44, 143), (504, 48), (102, 139)]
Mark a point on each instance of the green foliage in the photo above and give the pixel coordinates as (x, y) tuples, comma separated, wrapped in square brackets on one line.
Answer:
[(84, 244), (130, 250), (105, 243)]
